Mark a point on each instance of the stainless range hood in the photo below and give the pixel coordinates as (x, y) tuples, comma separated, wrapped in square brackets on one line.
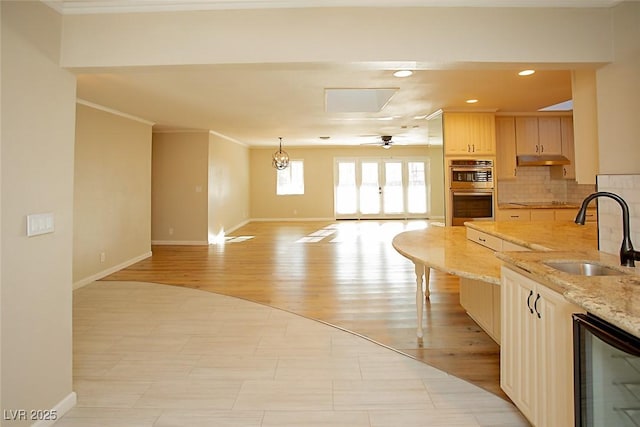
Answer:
[(545, 160)]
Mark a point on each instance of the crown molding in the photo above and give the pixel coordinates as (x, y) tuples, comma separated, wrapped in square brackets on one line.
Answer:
[(67, 7), (112, 111)]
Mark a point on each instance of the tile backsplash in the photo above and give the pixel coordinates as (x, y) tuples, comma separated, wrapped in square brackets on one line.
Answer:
[(534, 184), (610, 213)]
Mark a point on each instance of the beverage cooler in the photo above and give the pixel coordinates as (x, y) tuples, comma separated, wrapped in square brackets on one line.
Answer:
[(607, 374)]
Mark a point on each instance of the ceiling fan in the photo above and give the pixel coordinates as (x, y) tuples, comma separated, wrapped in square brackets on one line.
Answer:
[(385, 142)]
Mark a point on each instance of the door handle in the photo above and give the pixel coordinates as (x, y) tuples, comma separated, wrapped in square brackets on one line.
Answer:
[(535, 306), (529, 301)]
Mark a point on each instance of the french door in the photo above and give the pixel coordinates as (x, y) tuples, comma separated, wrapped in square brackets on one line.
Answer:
[(381, 188)]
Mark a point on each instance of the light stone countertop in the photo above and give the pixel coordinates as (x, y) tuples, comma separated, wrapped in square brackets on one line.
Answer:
[(538, 205), (542, 235), (615, 299), (448, 249)]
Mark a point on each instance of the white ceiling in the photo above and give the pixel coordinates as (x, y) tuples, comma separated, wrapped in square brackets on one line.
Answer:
[(255, 104)]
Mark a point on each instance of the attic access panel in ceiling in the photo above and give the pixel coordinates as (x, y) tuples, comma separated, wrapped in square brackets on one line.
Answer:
[(357, 100)]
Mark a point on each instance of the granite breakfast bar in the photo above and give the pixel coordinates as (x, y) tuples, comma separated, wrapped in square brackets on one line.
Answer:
[(449, 250), (445, 249)]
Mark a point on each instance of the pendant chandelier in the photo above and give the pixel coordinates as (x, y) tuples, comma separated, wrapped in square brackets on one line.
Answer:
[(280, 158)]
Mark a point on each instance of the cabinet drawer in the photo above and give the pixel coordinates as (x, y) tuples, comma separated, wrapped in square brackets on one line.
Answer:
[(566, 214), (513, 215), (491, 242), (542, 215), (570, 215)]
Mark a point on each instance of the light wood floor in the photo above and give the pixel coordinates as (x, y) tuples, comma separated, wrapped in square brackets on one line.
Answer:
[(344, 273)]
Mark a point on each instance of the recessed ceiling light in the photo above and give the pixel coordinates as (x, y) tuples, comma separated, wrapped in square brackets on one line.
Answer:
[(471, 101), (526, 72), (403, 73)]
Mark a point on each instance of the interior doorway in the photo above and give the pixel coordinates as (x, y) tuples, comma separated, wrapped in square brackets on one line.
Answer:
[(381, 188)]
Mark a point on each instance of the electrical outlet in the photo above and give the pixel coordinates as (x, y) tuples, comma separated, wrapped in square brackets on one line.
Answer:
[(103, 256), (170, 231)]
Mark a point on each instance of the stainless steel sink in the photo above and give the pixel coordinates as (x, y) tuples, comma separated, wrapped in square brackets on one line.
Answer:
[(584, 268)]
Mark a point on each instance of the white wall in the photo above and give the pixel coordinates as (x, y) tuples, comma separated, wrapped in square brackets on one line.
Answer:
[(430, 36), (38, 116), (229, 176), (180, 187), (618, 91), (112, 193), (200, 187)]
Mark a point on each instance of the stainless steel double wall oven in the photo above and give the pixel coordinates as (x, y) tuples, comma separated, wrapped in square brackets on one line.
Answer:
[(472, 190)]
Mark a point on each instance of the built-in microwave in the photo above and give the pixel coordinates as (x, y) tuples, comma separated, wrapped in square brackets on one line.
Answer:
[(471, 190), (470, 173)]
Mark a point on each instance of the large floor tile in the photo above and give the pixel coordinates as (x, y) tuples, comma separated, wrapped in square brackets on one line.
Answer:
[(212, 360)]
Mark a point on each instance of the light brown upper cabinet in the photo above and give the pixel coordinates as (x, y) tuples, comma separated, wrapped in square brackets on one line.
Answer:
[(505, 147), (536, 136), (568, 150), (469, 134)]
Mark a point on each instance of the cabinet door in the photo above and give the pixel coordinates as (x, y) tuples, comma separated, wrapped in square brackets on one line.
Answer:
[(483, 128), (468, 134), (505, 148), (555, 358), (457, 139), (517, 347), (477, 298), (549, 135), (568, 150), (536, 354), (527, 136)]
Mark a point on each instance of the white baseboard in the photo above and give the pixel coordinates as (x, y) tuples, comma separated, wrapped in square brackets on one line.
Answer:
[(242, 224), (108, 271), (180, 242), (59, 410), (291, 219)]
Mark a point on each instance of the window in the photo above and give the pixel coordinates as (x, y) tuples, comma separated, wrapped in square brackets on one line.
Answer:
[(417, 188), (346, 190), (291, 179), (381, 188)]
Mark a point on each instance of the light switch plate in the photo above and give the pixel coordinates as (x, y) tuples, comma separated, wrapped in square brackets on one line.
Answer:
[(42, 223)]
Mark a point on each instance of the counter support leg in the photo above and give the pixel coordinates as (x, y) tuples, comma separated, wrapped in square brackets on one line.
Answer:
[(420, 272)]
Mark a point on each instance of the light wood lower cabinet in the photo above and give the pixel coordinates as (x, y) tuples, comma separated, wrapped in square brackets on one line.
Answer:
[(481, 300), (536, 352), (543, 214)]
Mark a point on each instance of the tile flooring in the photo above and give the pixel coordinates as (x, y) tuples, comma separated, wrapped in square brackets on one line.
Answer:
[(157, 355)]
